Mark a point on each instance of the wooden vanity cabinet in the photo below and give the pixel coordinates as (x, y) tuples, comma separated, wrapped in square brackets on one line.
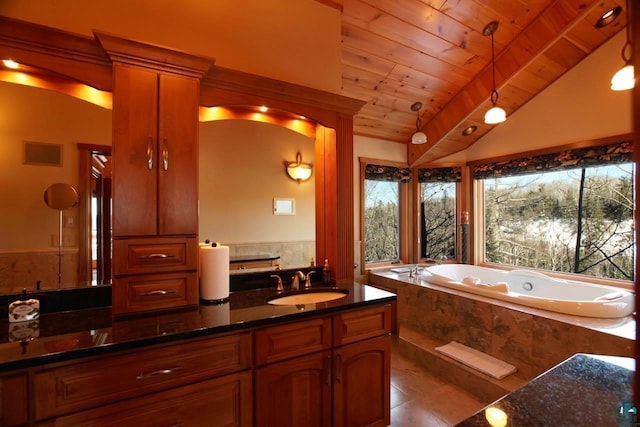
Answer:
[(187, 383), (155, 191), (308, 380)]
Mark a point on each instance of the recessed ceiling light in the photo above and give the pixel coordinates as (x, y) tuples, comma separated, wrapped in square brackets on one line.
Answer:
[(468, 131), (9, 63), (608, 17), (264, 109)]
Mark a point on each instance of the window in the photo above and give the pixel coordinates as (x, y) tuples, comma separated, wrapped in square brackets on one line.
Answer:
[(568, 212), (382, 197), (438, 212)]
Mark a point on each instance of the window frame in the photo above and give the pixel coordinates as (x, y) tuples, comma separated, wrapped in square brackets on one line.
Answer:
[(404, 215), (461, 206), (478, 233)]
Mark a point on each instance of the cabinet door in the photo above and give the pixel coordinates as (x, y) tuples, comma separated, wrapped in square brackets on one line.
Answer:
[(135, 165), (13, 400), (178, 151), (295, 392), (362, 382)]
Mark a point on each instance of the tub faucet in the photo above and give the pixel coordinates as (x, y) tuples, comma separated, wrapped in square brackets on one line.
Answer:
[(295, 285)]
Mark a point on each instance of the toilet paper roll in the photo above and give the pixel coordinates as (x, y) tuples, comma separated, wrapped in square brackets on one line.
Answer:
[(214, 275)]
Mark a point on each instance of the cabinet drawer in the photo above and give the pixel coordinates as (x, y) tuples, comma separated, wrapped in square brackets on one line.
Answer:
[(293, 339), (225, 401), (137, 256), (133, 294), (357, 325), (98, 381)]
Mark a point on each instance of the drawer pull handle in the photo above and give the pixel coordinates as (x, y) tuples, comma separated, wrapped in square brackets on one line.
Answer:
[(156, 256), (157, 292), (152, 374)]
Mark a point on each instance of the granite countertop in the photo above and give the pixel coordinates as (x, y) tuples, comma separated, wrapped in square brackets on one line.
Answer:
[(62, 336), (584, 390)]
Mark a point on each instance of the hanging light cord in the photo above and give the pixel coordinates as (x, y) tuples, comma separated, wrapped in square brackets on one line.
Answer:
[(418, 122), (494, 92), (628, 47)]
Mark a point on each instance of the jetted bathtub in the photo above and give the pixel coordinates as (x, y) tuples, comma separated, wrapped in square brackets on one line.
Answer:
[(534, 289)]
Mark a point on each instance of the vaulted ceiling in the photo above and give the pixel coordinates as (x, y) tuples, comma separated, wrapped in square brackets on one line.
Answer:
[(398, 52)]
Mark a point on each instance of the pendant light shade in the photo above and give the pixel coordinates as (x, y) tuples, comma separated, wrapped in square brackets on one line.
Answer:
[(624, 79), (495, 114), (419, 137)]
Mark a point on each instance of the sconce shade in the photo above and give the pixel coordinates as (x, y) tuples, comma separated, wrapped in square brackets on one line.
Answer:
[(299, 171), (623, 79), (495, 115)]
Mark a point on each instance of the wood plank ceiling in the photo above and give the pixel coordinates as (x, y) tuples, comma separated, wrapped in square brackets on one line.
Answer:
[(397, 52)]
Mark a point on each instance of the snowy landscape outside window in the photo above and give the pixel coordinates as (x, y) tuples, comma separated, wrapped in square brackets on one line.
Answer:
[(574, 216)]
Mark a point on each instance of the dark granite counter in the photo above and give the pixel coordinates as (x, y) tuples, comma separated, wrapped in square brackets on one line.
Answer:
[(585, 390), (62, 336)]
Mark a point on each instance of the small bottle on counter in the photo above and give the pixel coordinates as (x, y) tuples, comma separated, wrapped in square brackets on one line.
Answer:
[(312, 262), (326, 272), (24, 309)]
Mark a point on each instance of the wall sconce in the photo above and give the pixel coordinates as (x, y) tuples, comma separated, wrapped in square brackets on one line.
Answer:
[(495, 114), (299, 171)]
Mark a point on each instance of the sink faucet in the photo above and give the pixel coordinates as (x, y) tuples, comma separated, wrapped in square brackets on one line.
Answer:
[(295, 285), (279, 288), (307, 283)]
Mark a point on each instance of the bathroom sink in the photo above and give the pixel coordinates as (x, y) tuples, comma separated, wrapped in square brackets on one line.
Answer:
[(307, 296)]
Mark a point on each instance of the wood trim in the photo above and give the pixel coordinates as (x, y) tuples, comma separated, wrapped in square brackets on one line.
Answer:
[(77, 57), (343, 174), (154, 57), (333, 4), (634, 14), (313, 103)]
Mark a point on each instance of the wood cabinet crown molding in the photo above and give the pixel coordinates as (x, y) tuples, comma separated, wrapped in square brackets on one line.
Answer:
[(154, 57), (75, 56)]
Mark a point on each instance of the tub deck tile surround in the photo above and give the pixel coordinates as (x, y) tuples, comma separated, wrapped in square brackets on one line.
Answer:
[(531, 339)]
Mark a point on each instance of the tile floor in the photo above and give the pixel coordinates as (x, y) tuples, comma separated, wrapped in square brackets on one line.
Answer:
[(418, 398)]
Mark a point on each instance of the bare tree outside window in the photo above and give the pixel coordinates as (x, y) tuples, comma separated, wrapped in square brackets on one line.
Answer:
[(381, 220), (438, 220), (577, 221)]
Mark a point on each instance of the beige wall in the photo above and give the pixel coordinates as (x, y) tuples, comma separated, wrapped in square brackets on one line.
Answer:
[(241, 172), (292, 40), (32, 114)]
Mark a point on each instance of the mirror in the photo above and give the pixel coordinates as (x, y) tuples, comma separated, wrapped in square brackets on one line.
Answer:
[(30, 247), (242, 171), (241, 216)]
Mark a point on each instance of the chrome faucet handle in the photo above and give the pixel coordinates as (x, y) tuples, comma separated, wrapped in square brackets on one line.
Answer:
[(307, 283), (279, 288)]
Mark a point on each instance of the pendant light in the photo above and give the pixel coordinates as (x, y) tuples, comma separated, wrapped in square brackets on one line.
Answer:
[(495, 114), (624, 78), (419, 137)]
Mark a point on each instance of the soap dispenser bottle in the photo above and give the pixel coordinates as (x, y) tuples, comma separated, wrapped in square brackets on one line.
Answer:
[(24, 309), (326, 272)]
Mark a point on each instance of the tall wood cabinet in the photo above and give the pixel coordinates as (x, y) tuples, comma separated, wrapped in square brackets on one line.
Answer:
[(156, 95)]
